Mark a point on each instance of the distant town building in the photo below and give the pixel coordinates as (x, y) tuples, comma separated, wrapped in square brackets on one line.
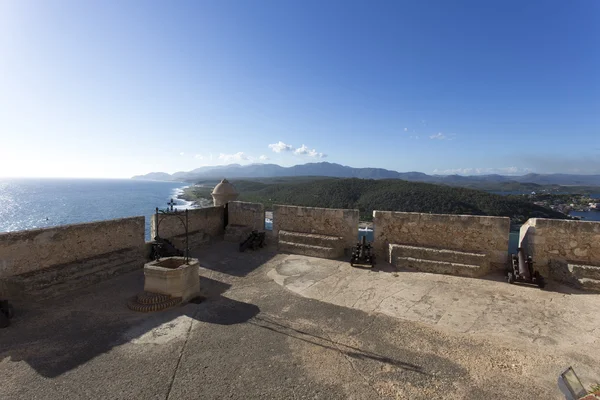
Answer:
[(595, 206)]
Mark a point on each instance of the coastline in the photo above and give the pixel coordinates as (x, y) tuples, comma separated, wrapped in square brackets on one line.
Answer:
[(194, 196)]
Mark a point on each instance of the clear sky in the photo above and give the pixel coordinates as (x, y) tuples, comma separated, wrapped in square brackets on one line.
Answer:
[(118, 88)]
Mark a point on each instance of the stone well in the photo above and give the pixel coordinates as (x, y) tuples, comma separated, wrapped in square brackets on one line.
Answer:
[(172, 276)]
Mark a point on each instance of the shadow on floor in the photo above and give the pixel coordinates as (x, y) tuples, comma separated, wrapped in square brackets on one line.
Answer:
[(61, 334), (327, 343), (551, 286), (217, 309), (226, 258)]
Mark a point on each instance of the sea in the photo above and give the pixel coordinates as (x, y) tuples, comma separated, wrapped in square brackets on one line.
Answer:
[(41, 203)]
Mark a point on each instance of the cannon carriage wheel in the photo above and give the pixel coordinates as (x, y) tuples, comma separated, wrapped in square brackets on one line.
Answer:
[(510, 278)]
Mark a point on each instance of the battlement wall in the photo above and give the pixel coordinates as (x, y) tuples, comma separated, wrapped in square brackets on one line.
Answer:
[(36, 249), (563, 241), (323, 221), (246, 214), (210, 221), (480, 234)]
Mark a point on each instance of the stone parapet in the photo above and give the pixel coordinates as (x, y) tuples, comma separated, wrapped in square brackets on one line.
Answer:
[(553, 242), (467, 233), (210, 220), (246, 214), (25, 251), (342, 223)]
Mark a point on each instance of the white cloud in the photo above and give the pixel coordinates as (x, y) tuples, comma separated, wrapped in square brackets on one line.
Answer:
[(304, 150), (263, 158), (443, 136), (198, 156), (239, 156), (314, 153), (182, 153), (280, 146), (405, 129)]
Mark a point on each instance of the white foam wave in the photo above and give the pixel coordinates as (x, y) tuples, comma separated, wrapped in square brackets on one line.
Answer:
[(181, 204)]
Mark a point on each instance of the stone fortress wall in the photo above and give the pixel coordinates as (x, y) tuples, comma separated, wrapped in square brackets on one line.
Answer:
[(203, 224), (477, 234), (341, 223), (26, 251), (424, 237), (246, 214), (555, 243)]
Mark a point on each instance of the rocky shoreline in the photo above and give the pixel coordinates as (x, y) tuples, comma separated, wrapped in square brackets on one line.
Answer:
[(199, 196)]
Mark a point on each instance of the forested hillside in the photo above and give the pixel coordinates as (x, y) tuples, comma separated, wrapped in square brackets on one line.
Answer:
[(389, 194)]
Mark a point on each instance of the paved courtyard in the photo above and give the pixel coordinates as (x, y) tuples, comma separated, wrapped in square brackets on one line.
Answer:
[(286, 326)]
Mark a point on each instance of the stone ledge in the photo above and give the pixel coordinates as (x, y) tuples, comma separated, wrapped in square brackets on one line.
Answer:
[(310, 250), (441, 267), (590, 284), (584, 271), (312, 239), (433, 254)]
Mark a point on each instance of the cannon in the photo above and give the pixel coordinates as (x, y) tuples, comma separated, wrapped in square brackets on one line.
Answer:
[(6, 313), (363, 253), (254, 241), (163, 248), (521, 270)]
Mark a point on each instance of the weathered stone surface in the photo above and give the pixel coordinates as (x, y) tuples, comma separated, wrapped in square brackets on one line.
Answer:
[(323, 221), (210, 220), (440, 267), (592, 285), (248, 214), (61, 279), (195, 240), (467, 233), (586, 277), (25, 251), (312, 239), (183, 281), (309, 250), (560, 241), (442, 255), (223, 193), (237, 233)]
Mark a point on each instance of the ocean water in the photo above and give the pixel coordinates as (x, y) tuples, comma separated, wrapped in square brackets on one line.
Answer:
[(586, 215), (40, 203)]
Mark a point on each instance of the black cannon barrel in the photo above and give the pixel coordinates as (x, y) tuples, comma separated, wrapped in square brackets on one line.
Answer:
[(523, 266)]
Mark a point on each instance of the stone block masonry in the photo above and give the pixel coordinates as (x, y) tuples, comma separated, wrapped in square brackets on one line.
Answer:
[(42, 263), (210, 220), (477, 234), (27, 251), (246, 214), (342, 223), (562, 247)]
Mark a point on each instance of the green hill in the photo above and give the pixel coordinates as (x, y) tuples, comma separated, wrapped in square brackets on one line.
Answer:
[(389, 194)]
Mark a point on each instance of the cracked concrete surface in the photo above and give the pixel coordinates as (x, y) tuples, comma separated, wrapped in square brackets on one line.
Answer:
[(559, 316), (285, 326)]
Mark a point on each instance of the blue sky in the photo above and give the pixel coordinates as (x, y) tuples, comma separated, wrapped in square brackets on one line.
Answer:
[(114, 89)]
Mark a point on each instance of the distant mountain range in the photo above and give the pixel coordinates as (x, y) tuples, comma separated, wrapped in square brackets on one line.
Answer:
[(233, 171)]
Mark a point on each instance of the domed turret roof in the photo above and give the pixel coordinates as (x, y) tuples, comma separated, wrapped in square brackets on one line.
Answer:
[(224, 188)]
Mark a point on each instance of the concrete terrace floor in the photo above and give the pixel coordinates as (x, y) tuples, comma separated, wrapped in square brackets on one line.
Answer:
[(287, 326)]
